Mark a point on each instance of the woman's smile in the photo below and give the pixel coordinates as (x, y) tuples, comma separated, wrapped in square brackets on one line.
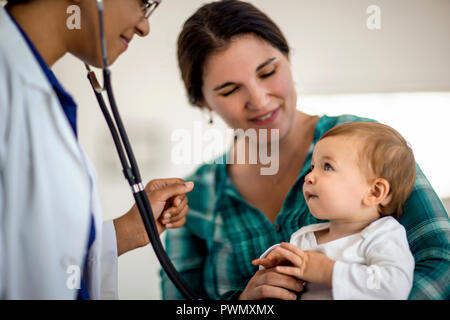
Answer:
[(266, 118)]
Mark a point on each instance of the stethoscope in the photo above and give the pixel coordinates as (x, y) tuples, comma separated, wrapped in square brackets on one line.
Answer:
[(127, 159)]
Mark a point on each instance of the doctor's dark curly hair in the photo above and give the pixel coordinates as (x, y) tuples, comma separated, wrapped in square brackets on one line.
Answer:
[(210, 29)]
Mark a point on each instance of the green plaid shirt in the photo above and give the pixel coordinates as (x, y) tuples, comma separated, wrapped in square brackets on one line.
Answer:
[(223, 233)]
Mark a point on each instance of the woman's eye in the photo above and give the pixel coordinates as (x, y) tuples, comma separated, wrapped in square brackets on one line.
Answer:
[(327, 167), (266, 75), (226, 94)]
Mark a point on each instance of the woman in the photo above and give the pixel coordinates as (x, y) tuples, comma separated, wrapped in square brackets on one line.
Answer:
[(51, 228), (234, 61)]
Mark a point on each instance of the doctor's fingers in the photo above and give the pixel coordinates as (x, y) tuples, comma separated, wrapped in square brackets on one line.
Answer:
[(176, 221), (172, 190), (157, 184), (175, 213), (177, 200), (179, 220)]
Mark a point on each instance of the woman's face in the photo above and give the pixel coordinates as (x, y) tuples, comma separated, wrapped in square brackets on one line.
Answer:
[(122, 20), (250, 85)]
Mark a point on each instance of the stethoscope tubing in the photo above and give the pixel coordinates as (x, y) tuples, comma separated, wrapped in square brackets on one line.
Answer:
[(131, 172), (130, 166)]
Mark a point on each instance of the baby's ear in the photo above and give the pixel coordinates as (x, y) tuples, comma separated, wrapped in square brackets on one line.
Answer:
[(378, 193)]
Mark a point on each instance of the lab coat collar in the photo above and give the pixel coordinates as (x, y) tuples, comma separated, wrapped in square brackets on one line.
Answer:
[(21, 61)]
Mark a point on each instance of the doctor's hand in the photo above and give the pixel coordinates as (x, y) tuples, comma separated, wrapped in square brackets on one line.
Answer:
[(169, 205), (169, 213)]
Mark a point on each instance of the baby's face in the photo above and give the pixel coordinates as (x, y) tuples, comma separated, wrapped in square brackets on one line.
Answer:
[(335, 187)]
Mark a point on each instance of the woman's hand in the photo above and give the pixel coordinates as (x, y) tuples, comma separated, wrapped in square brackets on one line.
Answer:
[(268, 283), (169, 205)]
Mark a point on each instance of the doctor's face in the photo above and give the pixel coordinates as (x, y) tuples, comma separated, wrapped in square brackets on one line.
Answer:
[(249, 85), (122, 20)]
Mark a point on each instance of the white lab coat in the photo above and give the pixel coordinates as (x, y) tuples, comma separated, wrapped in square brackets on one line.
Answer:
[(48, 188)]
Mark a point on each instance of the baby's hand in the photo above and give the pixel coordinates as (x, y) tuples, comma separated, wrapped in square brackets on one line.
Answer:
[(306, 265), (274, 258)]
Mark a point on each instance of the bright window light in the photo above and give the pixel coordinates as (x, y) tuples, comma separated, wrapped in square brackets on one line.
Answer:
[(422, 118)]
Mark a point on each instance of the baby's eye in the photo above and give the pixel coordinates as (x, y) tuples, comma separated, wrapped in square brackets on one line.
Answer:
[(327, 167), (312, 167)]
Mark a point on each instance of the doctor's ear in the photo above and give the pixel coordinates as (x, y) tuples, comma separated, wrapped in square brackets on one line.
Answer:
[(378, 193)]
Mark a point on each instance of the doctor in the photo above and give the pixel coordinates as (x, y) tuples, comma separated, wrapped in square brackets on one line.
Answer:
[(50, 216)]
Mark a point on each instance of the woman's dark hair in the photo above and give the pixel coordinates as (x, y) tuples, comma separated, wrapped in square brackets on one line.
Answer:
[(210, 29), (10, 2)]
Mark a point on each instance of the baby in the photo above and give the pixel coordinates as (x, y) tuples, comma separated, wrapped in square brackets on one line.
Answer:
[(361, 175)]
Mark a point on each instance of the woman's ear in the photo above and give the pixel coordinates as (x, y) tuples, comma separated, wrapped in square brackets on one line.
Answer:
[(378, 193), (204, 105)]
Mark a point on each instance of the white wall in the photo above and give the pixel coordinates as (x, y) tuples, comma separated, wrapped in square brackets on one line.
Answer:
[(334, 57)]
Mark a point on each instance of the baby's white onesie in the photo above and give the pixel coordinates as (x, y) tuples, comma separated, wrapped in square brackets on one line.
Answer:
[(375, 263)]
